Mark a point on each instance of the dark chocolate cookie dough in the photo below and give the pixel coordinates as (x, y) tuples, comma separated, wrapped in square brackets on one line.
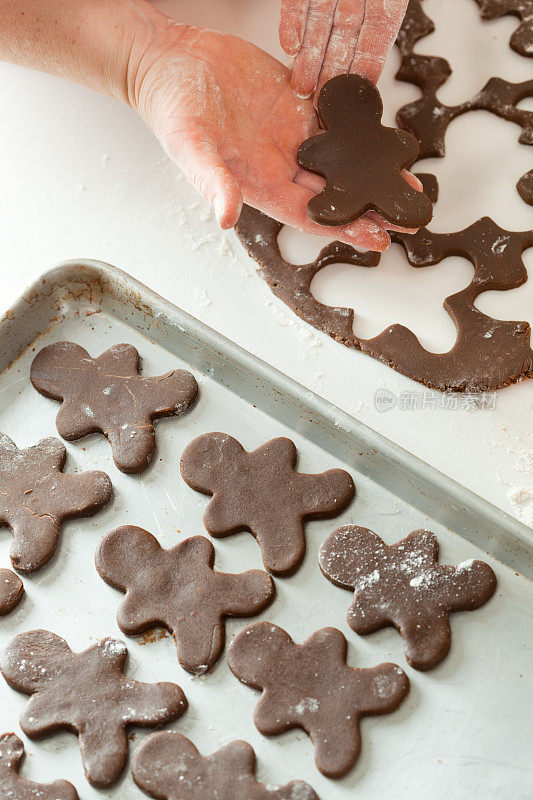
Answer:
[(11, 591), (310, 686), (525, 187), (404, 585), (107, 395), (361, 159), (522, 38), (179, 590), (427, 118), (36, 496), (13, 787), (262, 492), (488, 353), (88, 694), (169, 767)]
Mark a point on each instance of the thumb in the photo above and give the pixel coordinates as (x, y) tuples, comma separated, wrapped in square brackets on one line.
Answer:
[(206, 170)]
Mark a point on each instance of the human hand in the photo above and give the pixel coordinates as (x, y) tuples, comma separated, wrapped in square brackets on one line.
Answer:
[(333, 37), (225, 113)]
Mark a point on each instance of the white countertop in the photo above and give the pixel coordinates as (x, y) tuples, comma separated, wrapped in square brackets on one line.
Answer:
[(83, 177)]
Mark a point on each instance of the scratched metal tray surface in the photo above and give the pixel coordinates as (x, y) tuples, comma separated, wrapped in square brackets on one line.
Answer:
[(465, 729)]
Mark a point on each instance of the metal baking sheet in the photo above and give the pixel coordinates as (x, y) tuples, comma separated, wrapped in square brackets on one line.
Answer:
[(465, 730)]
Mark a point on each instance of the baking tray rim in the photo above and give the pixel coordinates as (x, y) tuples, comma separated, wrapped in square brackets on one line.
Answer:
[(68, 273)]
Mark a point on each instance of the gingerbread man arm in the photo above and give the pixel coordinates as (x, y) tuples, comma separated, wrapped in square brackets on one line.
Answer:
[(41, 716), (474, 583), (361, 622), (151, 704), (383, 687), (423, 545), (11, 591), (222, 518), (280, 450), (11, 753), (74, 420), (267, 718), (49, 453), (312, 148), (175, 391), (419, 203), (327, 494), (322, 208), (119, 361), (406, 145), (83, 493), (245, 593), (133, 620)]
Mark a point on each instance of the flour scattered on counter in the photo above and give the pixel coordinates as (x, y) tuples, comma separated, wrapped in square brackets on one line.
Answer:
[(201, 241), (225, 249), (287, 320), (200, 299), (205, 213), (522, 499)]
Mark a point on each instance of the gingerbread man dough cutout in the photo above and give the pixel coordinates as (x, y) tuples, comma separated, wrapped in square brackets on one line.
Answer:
[(179, 590), (403, 585), (16, 788), (107, 395), (361, 159), (86, 693), (11, 591), (36, 496), (261, 492), (169, 767), (310, 686)]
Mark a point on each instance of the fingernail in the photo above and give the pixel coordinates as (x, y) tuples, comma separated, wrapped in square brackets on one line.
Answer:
[(294, 44), (218, 209), (304, 96)]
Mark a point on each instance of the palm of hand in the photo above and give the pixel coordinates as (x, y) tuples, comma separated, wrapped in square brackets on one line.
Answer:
[(225, 112)]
